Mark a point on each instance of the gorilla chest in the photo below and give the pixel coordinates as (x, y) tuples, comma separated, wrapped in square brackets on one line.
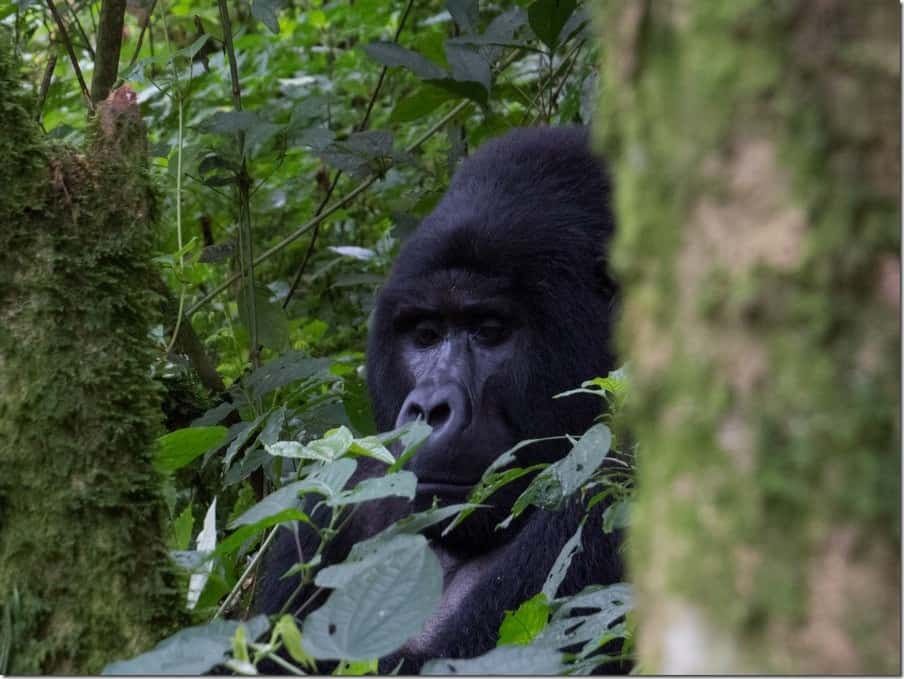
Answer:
[(462, 580)]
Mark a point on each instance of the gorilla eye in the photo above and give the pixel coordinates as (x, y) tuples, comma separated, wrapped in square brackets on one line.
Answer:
[(426, 334), (491, 332)]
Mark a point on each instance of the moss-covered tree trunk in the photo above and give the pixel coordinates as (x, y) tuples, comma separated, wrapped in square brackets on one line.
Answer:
[(755, 151), (83, 569)]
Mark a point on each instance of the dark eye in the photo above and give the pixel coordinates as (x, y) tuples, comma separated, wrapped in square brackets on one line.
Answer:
[(491, 332), (426, 333)]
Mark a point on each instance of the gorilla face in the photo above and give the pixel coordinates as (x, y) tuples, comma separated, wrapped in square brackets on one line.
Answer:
[(499, 301)]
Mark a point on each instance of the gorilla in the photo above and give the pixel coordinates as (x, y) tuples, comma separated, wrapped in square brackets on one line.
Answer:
[(499, 300)]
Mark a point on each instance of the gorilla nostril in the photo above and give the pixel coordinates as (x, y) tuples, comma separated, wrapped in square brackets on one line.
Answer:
[(439, 414)]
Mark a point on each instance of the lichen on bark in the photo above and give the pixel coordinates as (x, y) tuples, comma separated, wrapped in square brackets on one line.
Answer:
[(84, 576), (754, 147)]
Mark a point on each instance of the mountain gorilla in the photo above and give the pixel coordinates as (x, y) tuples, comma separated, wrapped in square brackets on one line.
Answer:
[(500, 300)]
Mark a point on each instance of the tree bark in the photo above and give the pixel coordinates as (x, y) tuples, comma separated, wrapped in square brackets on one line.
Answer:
[(755, 148), (109, 44), (84, 574)]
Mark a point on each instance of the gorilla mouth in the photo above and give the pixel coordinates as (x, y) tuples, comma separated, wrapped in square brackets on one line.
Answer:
[(444, 488)]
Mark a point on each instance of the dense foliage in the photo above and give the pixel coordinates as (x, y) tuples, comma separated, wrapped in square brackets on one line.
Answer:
[(294, 145)]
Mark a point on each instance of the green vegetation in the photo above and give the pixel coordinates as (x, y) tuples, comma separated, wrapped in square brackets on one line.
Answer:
[(293, 146)]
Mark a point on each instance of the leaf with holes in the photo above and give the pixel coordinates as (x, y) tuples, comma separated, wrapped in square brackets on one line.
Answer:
[(379, 609)]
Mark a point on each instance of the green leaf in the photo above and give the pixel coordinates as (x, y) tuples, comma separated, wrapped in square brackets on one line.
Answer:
[(357, 668), (617, 516), (288, 631), (179, 448), (327, 481), (331, 447), (245, 431), (465, 13), (194, 650), (289, 367), (381, 608), (525, 660), (248, 531), (468, 65), (272, 323), (559, 480), (267, 11), (401, 484), (229, 122), (419, 104), (413, 436), (559, 569), (521, 626), (413, 523), (181, 529), (548, 17), (392, 54), (371, 446)]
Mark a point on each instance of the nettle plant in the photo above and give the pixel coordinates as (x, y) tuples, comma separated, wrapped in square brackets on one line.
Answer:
[(391, 583)]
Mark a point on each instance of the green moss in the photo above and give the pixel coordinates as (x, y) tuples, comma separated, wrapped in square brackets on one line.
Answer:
[(737, 525), (83, 569)]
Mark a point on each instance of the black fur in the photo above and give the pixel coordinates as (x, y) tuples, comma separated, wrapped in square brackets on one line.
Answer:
[(524, 225)]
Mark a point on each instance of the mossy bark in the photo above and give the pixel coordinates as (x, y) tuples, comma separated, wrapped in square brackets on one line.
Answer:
[(755, 152), (84, 575)]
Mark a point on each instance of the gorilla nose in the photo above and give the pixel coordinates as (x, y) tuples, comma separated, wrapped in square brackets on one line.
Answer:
[(444, 407)]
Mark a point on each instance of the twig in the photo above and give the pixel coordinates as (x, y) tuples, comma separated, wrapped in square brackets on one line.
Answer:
[(238, 584), (144, 27), (360, 127), (45, 86), (64, 36), (246, 243), (81, 31)]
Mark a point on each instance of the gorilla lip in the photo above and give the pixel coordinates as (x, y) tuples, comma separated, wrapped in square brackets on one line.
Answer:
[(443, 488)]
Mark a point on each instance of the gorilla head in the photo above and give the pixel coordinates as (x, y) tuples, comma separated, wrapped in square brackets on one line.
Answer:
[(500, 300)]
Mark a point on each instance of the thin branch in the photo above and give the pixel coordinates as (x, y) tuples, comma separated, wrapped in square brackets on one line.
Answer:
[(64, 36), (144, 27), (45, 86), (81, 31), (329, 193), (246, 243), (109, 45)]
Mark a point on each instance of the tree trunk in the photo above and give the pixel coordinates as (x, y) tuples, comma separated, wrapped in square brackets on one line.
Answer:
[(755, 151), (84, 575)]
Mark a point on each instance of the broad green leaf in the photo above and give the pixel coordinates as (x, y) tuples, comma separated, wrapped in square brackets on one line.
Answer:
[(413, 436), (191, 651), (566, 629), (181, 529), (272, 323), (246, 431), (247, 531), (371, 446), (468, 65), (267, 12), (560, 567), (380, 609), (180, 447), (331, 447), (341, 574), (521, 626), (465, 13), (400, 484), (559, 480), (419, 105), (413, 523), (327, 481), (287, 630), (392, 54), (357, 668), (548, 17), (617, 516), (505, 660), (230, 122), (287, 368)]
